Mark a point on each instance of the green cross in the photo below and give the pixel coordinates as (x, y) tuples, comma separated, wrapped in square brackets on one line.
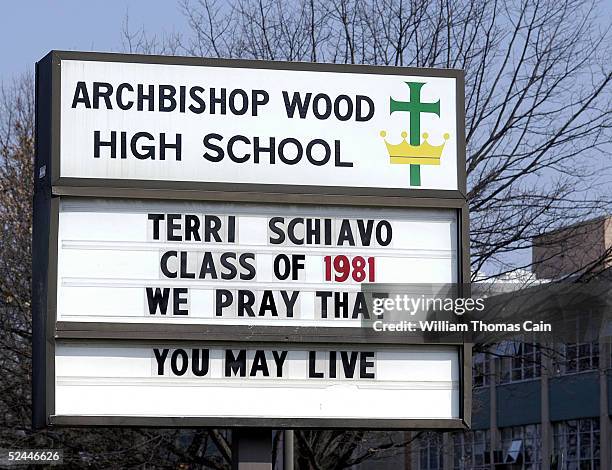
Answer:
[(415, 108)]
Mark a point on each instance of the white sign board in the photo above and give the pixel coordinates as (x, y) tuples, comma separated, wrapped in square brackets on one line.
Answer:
[(159, 122), (196, 380), (204, 231), (145, 261)]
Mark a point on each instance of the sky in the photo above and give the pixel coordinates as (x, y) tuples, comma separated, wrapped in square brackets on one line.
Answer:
[(31, 28)]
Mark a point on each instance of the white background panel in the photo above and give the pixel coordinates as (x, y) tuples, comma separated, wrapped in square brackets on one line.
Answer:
[(107, 257), (360, 141), (411, 382)]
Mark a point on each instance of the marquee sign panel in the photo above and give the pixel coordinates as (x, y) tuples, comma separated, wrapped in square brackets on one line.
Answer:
[(144, 261), (161, 122), (204, 231), (394, 383)]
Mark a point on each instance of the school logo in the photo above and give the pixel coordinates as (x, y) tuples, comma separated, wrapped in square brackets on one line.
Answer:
[(414, 152)]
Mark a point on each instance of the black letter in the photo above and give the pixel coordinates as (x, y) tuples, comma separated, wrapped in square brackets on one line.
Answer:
[(312, 366), (246, 300), (158, 300), (257, 101), (315, 106), (286, 265), (245, 102), (210, 146), (276, 230), (163, 264), (224, 298), (178, 301), (184, 362), (260, 364), (388, 230), (298, 147), (230, 149), (98, 143), (199, 368), (291, 231), (296, 101), (148, 149), (99, 93), (81, 89), (214, 100), (337, 157), (166, 93), (358, 115), (349, 363), (208, 266), (346, 233), (212, 226), (290, 301), (311, 158), (235, 364), (171, 226), (364, 364), (176, 146), (194, 94), (231, 269), (349, 108), (192, 228), (160, 358), (280, 360), (148, 97), (250, 267), (324, 296), (120, 103)]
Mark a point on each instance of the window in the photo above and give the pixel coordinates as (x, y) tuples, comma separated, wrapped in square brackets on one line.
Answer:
[(431, 451), (481, 369), (519, 361), (576, 357), (531, 444), (471, 450), (576, 444)]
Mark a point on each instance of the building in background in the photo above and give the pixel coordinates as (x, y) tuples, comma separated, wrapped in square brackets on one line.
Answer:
[(541, 406), (536, 406), (571, 251)]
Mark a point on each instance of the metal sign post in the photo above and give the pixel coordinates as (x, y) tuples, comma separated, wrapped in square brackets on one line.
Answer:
[(288, 449), (252, 449)]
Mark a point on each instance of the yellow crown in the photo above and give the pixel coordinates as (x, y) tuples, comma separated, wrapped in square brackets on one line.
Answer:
[(424, 154)]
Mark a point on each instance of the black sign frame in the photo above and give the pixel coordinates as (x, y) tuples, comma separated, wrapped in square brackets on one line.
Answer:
[(50, 188)]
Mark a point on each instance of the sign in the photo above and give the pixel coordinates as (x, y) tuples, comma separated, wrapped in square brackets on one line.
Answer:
[(211, 263), (204, 231), (196, 380), (162, 122)]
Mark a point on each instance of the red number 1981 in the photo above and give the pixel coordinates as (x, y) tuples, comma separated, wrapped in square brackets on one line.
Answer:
[(359, 268)]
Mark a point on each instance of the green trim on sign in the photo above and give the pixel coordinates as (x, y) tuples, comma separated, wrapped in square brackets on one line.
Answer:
[(415, 175)]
